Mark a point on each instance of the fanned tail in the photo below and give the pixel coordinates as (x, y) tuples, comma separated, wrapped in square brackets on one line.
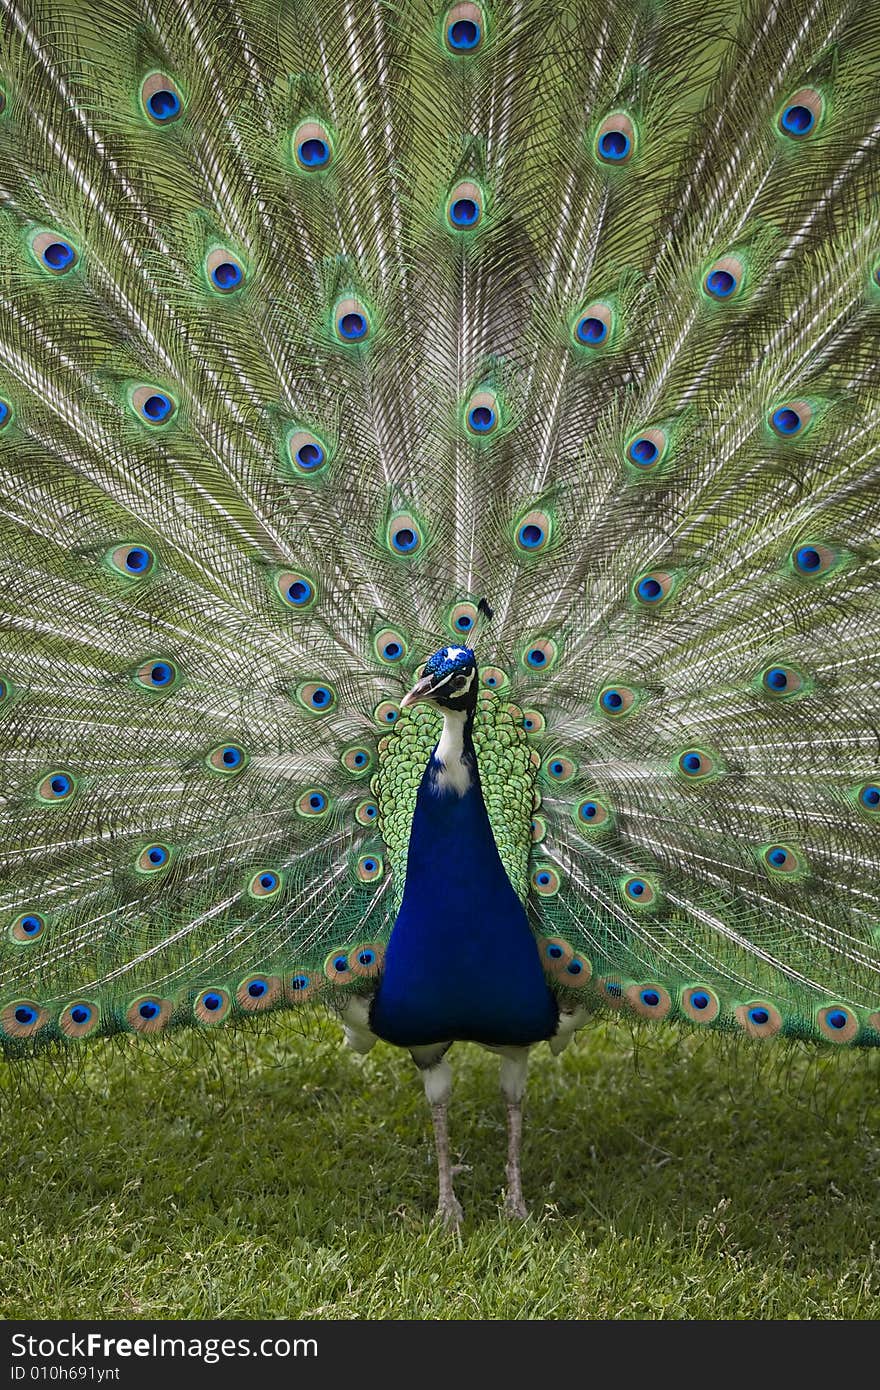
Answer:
[(318, 325)]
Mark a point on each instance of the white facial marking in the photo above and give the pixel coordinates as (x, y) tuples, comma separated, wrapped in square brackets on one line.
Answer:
[(455, 675), (467, 680)]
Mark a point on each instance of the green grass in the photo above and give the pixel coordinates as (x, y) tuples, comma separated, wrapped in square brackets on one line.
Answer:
[(264, 1175)]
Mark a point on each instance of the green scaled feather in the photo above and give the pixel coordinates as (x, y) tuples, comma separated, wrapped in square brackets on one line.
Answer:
[(507, 774), (240, 461)]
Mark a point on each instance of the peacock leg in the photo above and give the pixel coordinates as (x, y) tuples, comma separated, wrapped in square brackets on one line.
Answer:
[(355, 1015), (437, 1080), (514, 1065)]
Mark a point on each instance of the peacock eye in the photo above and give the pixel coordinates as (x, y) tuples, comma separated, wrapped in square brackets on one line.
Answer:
[(162, 99)]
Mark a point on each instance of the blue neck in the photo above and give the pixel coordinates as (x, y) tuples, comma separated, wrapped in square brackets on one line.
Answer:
[(462, 961)]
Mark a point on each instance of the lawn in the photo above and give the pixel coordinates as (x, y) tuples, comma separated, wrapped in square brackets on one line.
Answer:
[(269, 1175)]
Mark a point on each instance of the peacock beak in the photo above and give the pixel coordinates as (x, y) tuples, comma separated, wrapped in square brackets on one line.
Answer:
[(421, 691)]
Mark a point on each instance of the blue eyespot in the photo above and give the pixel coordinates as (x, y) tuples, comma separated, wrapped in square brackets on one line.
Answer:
[(777, 857), (643, 452), (157, 407), (591, 331), (268, 882), (759, 1016), (137, 560), (227, 275), (543, 879), (310, 456), (797, 120), (313, 153), (557, 768), (305, 450), (786, 421), (404, 540), (317, 801), (776, 678), (164, 105), (156, 675), (58, 255), (808, 559), (321, 697), (152, 857), (536, 657), (56, 786), (555, 951), (650, 998), (257, 988), (5, 413), (225, 271), (481, 419), (300, 982), (589, 810), (649, 589), (724, 278), (836, 1018), (463, 35), (352, 326), (231, 756), (614, 146), (392, 651), (612, 700), (340, 963), (80, 1014), (870, 797), (31, 925), (720, 283), (699, 1000), (299, 592), (574, 967), (814, 559), (312, 146), (531, 536), (213, 1005), (464, 212), (25, 1015), (636, 888), (690, 762), (464, 622), (148, 1010), (152, 404)]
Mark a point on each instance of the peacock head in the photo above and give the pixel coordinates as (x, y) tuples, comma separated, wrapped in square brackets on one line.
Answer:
[(449, 680)]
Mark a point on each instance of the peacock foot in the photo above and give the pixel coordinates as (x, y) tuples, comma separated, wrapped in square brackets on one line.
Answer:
[(515, 1207), (449, 1211)]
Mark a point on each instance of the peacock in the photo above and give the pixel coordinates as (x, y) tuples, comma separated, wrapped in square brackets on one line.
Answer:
[(440, 522)]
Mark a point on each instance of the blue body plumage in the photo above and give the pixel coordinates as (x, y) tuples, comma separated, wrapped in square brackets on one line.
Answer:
[(462, 962)]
